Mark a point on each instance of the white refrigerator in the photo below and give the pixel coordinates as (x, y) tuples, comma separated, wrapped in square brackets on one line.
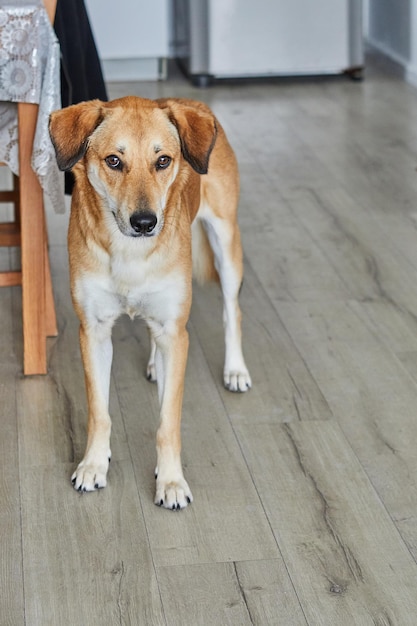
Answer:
[(248, 38)]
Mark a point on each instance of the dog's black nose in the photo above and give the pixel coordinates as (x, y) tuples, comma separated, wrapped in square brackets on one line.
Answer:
[(143, 222)]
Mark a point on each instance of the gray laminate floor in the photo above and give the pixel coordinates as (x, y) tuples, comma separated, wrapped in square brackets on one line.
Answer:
[(305, 489)]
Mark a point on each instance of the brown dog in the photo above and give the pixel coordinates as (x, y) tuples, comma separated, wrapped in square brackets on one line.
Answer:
[(153, 178)]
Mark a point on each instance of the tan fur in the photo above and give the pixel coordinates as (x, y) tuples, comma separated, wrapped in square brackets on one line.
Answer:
[(203, 257), (145, 170)]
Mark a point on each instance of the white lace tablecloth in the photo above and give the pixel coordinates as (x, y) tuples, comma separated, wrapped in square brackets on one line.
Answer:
[(30, 72)]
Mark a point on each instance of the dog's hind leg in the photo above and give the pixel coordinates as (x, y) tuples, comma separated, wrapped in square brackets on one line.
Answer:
[(151, 368), (224, 238), (97, 352)]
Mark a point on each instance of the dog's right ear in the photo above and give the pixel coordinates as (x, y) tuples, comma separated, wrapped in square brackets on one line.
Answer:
[(70, 129)]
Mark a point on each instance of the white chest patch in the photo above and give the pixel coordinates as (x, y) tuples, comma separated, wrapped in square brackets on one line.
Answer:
[(136, 287)]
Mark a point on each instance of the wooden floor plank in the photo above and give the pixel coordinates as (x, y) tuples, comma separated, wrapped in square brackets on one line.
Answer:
[(331, 526), (268, 593), (203, 594), (7, 340), (372, 396), (394, 326), (361, 253), (86, 556), (11, 569)]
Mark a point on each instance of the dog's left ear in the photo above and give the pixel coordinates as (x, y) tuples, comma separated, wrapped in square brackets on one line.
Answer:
[(196, 126)]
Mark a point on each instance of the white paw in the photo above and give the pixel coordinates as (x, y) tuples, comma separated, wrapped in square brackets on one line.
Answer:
[(173, 495), (237, 380), (151, 372), (91, 474)]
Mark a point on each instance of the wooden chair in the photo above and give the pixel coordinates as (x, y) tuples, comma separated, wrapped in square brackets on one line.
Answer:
[(28, 230)]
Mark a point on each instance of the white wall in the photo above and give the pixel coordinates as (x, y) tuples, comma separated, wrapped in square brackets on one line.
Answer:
[(131, 36), (392, 29)]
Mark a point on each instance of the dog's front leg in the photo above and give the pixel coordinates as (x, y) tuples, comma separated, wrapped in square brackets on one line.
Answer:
[(97, 352), (172, 491)]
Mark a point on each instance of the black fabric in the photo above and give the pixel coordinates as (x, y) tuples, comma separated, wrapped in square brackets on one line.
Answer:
[(81, 74)]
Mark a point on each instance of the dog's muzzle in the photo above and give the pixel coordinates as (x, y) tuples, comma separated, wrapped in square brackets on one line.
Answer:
[(143, 223)]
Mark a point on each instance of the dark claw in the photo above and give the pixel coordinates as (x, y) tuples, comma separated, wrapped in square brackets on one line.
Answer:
[(178, 506), (188, 500), (96, 486), (174, 506), (73, 480), (161, 503)]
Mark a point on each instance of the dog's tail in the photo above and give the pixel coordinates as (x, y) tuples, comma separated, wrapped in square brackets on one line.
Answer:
[(203, 258)]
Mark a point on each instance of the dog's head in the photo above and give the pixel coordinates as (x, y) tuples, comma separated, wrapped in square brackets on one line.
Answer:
[(132, 151)]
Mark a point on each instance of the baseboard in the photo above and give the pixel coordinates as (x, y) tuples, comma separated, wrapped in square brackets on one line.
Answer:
[(126, 70), (402, 64), (411, 74)]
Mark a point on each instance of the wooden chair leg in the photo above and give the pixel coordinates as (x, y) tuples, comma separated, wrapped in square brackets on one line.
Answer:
[(51, 325), (29, 231), (33, 246)]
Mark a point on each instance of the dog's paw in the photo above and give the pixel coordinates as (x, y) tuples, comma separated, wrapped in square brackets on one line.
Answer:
[(173, 495), (237, 380), (90, 475), (151, 372)]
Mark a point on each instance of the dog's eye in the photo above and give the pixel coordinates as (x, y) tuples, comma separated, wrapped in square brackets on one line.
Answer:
[(163, 162), (114, 162)]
